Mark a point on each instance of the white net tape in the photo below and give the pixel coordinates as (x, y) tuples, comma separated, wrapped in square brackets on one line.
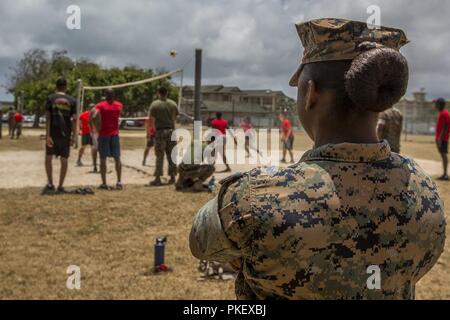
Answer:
[(133, 83)]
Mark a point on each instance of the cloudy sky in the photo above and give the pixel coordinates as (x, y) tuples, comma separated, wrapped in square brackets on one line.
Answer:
[(248, 43)]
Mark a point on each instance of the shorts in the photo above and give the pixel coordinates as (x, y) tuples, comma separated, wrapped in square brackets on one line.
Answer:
[(61, 147), (18, 128), (443, 148), (86, 139), (151, 141), (289, 144), (109, 147)]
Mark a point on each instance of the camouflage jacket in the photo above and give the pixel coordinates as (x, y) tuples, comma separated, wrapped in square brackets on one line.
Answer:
[(390, 127), (312, 231)]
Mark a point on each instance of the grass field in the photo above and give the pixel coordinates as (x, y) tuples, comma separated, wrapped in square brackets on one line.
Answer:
[(111, 235)]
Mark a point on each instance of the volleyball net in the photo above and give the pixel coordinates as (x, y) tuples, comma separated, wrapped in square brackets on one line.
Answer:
[(82, 89)]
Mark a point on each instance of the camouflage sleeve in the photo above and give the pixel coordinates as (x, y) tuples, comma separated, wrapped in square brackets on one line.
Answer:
[(219, 227)]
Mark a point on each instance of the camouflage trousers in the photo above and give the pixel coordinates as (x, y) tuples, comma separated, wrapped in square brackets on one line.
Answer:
[(164, 146), (193, 175)]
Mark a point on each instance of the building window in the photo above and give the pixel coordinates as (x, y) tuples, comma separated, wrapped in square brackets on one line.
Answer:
[(267, 101)]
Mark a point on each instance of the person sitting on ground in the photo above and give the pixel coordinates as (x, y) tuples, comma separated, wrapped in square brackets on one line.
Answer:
[(86, 137), (191, 175), (442, 134), (109, 111)]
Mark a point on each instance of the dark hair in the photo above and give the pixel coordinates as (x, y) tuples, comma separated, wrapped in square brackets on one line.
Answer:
[(377, 79), (374, 81), (440, 103), (61, 83), (163, 91), (218, 115)]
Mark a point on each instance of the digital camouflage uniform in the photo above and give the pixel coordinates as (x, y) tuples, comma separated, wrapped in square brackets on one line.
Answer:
[(390, 128), (315, 229), (312, 230), (165, 113), (339, 39), (192, 176)]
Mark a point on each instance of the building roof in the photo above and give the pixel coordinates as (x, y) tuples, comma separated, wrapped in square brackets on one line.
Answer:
[(232, 89)]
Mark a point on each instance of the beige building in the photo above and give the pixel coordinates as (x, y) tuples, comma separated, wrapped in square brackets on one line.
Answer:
[(5, 105), (262, 106), (419, 115)]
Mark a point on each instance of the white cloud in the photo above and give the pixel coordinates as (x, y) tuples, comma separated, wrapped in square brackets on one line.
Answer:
[(249, 43)]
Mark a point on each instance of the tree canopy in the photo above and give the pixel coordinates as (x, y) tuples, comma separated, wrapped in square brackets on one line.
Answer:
[(36, 72)]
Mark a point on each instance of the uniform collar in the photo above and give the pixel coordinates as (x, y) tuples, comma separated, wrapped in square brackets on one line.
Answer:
[(350, 152)]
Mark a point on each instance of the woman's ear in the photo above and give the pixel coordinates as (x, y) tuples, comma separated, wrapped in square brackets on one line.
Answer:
[(311, 95)]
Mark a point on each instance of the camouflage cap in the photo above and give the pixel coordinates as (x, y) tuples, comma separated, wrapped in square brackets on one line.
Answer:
[(339, 39)]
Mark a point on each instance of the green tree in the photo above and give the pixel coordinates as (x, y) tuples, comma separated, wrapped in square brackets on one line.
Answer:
[(38, 70)]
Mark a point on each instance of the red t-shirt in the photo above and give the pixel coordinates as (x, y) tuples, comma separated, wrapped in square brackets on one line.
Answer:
[(246, 126), (286, 126), (151, 130), (220, 124), (444, 119), (18, 117), (84, 120), (109, 115)]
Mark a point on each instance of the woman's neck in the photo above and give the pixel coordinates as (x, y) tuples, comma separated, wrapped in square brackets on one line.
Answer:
[(356, 130)]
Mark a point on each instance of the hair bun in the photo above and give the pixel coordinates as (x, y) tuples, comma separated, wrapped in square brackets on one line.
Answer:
[(377, 79)]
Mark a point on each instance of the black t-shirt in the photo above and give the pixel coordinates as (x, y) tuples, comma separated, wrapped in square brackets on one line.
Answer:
[(61, 107)]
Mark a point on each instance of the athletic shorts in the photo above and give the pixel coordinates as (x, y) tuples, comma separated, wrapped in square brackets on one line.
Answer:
[(86, 139), (289, 144), (109, 147), (151, 141), (443, 148), (61, 147)]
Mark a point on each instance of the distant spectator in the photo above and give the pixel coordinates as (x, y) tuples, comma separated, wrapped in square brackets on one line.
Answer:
[(390, 125), (221, 125), (442, 134), (87, 137), (150, 140), (247, 125), (18, 121), (11, 115), (287, 136)]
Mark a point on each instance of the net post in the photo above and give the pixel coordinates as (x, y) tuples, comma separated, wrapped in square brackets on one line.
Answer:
[(79, 88), (198, 85)]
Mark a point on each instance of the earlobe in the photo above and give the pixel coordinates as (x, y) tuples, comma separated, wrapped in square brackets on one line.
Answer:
[(310, 95)]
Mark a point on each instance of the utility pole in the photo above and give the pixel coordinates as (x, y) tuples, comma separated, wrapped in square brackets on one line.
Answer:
[(198, 84), (79, 97), (197, 104)]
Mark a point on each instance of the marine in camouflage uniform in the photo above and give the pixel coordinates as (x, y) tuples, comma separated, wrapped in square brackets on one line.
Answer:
[(390, 125), (162, 114), (192, 175), (312, 230)]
